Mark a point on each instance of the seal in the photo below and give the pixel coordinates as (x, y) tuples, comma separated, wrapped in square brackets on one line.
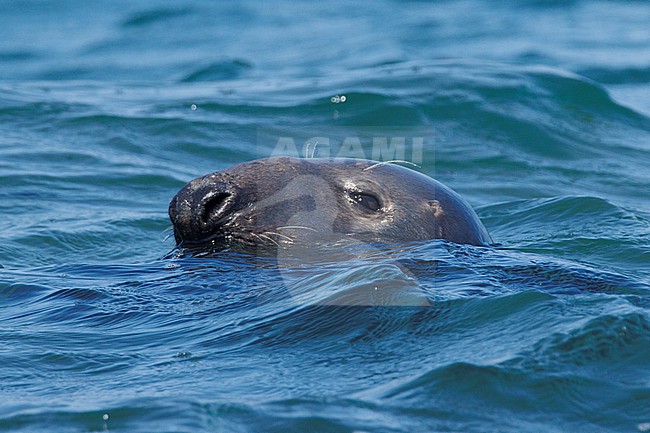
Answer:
[(283, 200)]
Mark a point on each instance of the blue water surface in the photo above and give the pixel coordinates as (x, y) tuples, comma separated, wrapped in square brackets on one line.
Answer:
[(537, 112)]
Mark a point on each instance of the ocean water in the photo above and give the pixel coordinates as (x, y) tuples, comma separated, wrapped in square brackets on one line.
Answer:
[(537, 112)]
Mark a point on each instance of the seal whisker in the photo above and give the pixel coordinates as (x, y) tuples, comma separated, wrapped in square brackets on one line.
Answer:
[(313, 151), (280, 235), (392, 161), (296, 227), (266, 237)]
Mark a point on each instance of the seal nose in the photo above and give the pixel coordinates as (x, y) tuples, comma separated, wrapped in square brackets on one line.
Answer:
[(200, 209)]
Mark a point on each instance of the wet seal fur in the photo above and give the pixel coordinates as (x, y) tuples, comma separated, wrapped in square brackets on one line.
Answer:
[(282, 201)]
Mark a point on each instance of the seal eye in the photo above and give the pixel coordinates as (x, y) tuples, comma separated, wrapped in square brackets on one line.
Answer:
[(368, 201)]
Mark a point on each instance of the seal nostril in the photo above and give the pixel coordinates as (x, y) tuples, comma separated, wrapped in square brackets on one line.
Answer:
[(215, 207)]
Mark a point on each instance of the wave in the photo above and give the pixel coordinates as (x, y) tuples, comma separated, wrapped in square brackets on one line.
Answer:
[(155, 16), (223, 70)]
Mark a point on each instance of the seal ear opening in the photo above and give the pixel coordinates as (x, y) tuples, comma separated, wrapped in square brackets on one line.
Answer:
[(436, 208)]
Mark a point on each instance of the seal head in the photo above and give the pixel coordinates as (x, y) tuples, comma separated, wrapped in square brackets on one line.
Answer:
[(284, 200)]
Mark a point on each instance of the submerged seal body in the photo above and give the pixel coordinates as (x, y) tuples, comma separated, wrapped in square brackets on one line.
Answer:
[(284, 200)]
